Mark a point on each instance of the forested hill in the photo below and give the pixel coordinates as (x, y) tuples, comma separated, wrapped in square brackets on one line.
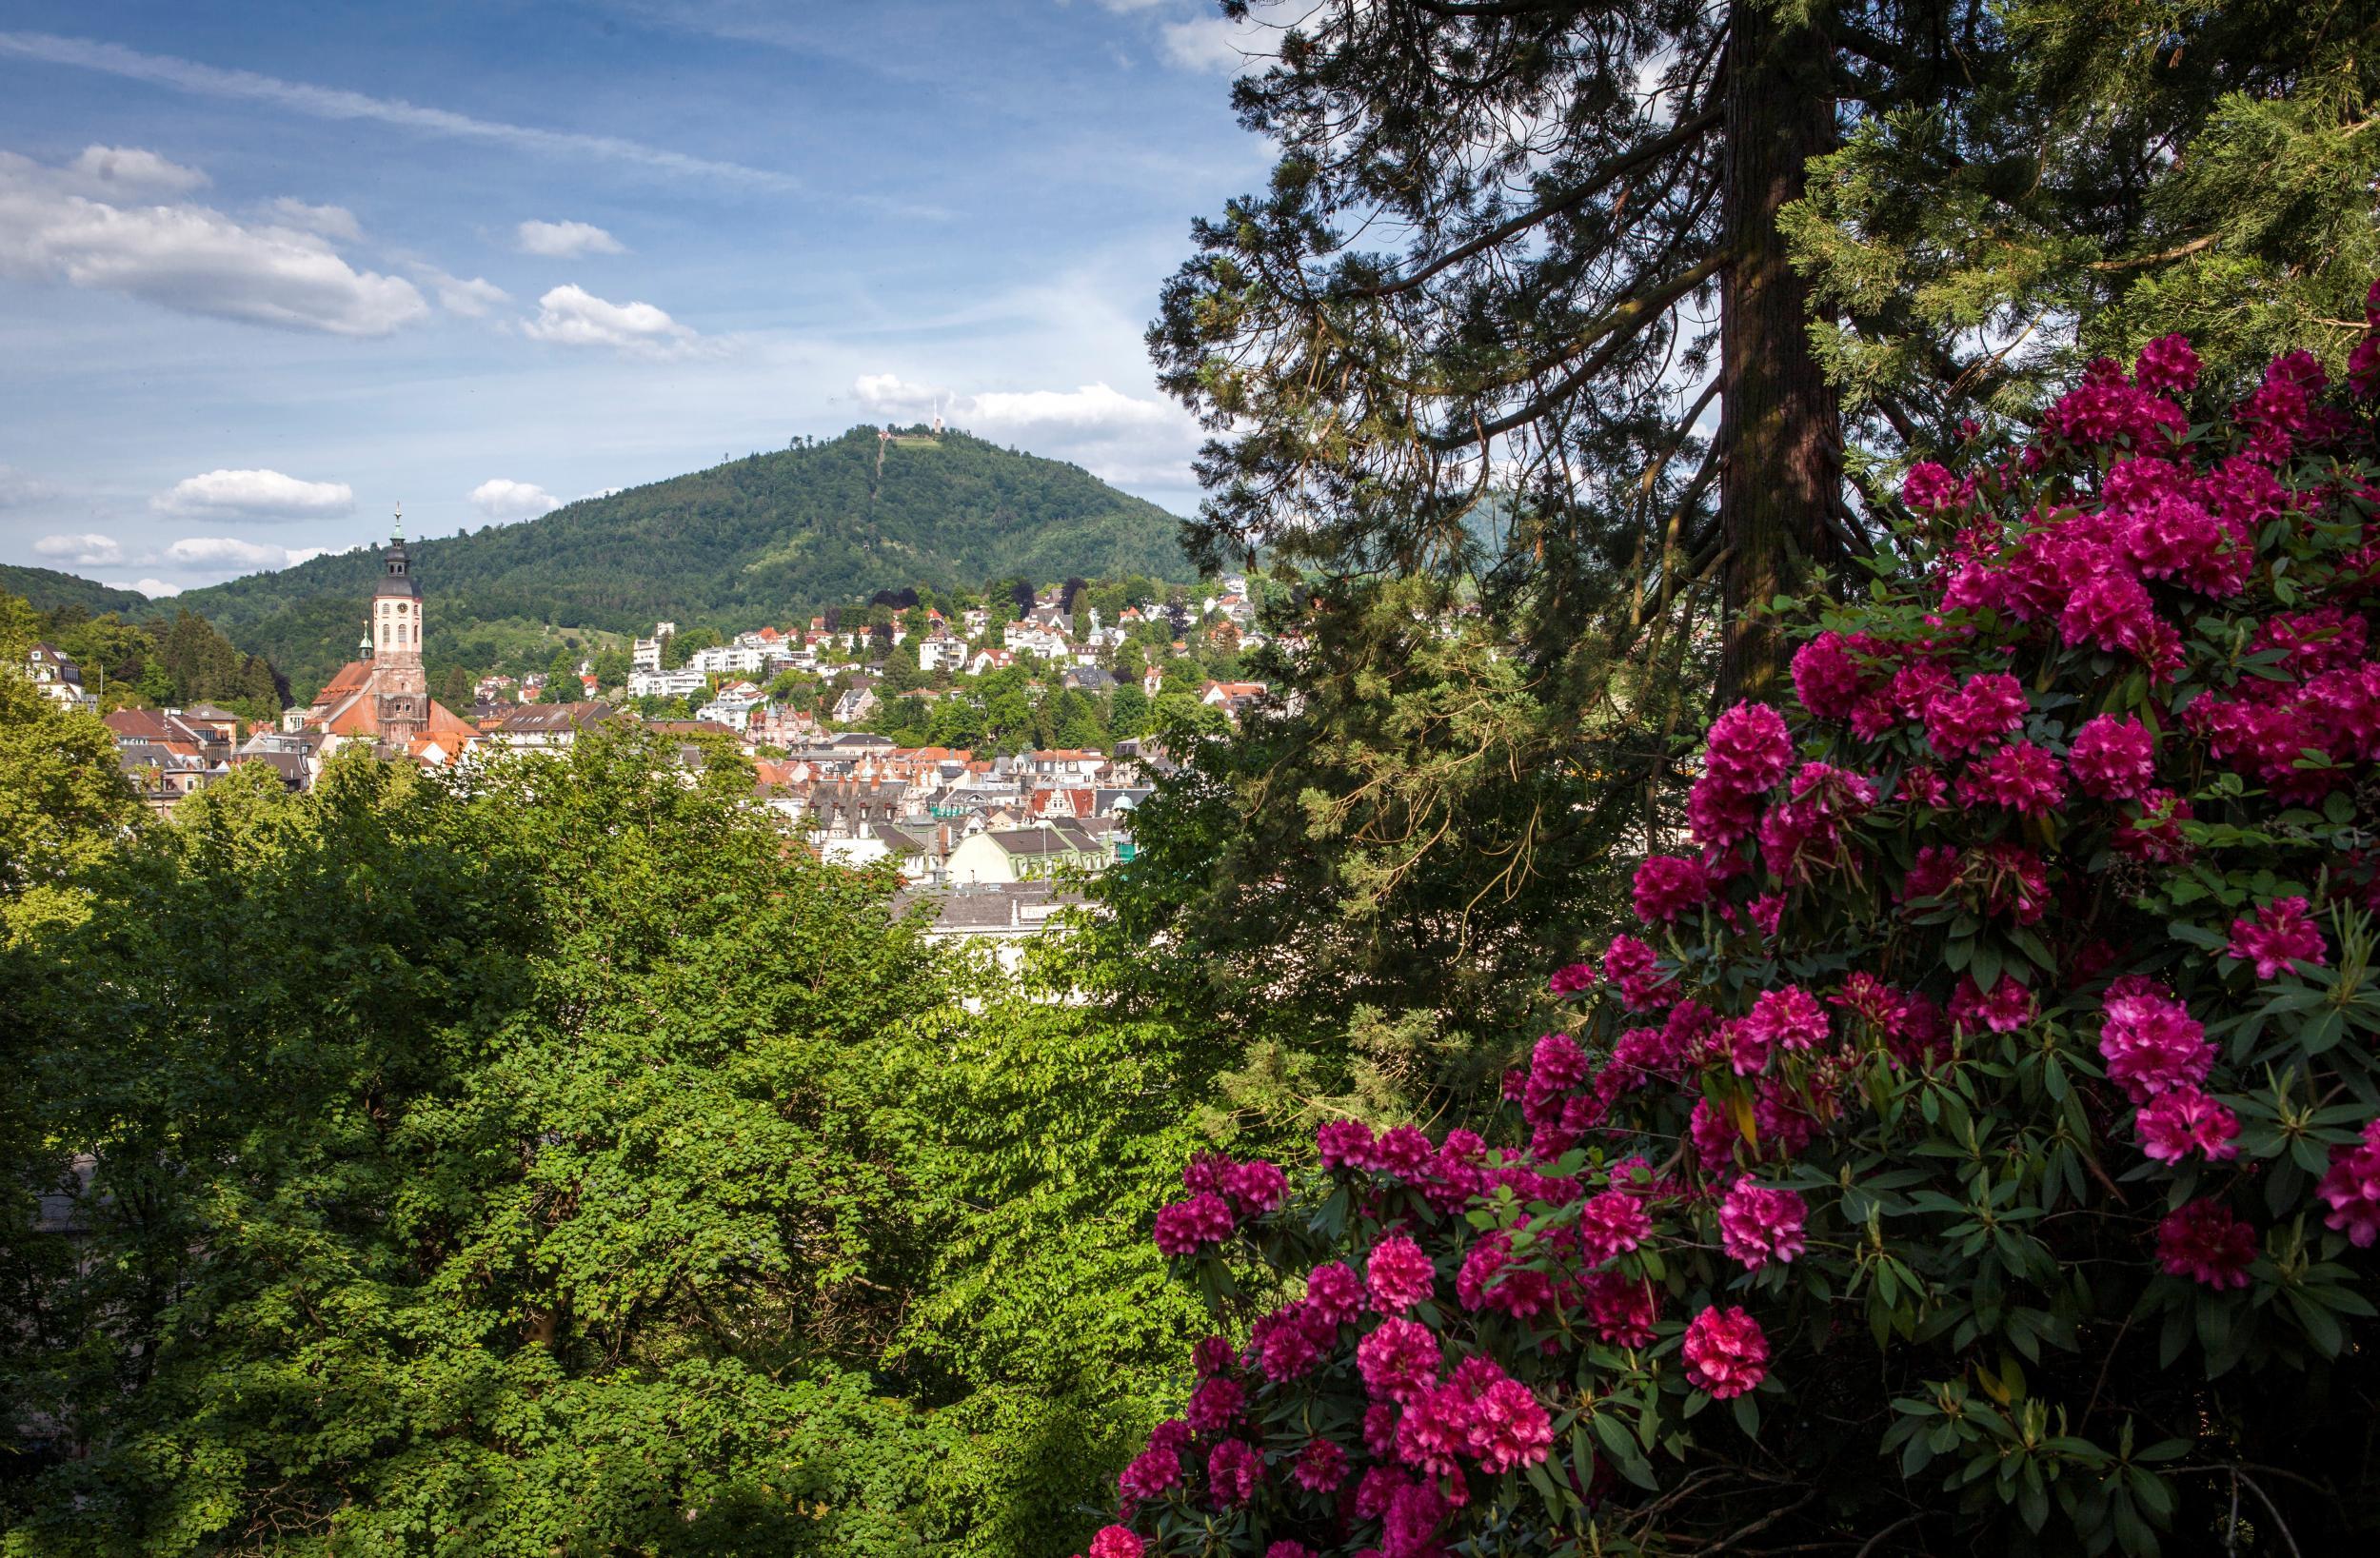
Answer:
[(45, 589), (755, 540)]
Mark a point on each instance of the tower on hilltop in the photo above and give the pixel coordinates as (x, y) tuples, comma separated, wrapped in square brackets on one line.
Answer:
[(396, 644)]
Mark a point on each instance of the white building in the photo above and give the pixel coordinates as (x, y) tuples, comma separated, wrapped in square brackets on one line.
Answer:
[(59, 679), (667, 683), (732, 706)]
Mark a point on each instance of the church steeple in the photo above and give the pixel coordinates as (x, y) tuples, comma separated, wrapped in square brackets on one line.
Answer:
[(397, 624)]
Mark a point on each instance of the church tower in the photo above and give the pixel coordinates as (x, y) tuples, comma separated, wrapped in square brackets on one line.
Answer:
[(396, 644)]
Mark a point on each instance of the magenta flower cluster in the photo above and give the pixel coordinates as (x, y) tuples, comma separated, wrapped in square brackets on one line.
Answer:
[(1974, 867)]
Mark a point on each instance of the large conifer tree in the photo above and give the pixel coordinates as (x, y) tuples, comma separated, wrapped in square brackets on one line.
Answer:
[(1542, 249)]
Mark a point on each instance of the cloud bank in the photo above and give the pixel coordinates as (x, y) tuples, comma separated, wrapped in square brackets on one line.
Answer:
[(256, 495), (1116, 437), (501, 501), (191, 259), (572, 316), (564, 240)]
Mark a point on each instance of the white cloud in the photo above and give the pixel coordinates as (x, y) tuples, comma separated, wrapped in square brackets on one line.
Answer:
[(21, 488), (211, 552), (572, 316), (1115, 436), (257, 495), (224, 555), (330, 221), (193, 259), (566, 239), (473, 298), (332, 104), (132, 173), (156, 589), (503, 500), (86, 549)]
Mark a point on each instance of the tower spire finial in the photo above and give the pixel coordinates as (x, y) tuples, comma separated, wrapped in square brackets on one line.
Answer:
[(397, 529)]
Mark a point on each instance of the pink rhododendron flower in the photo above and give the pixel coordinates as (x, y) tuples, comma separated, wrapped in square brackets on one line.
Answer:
[(1484, 1283), (1509, 1428), (1612, 1224), (1621, 1309), (1287, 1343), (2150, 1044), (1320, 1467), (1333, 1294), (1215, 1404), (1116, 1541), (2005, 1008), (2204, 1242), (1758, 1225), (1256, 1187), (2021, 776), (1632, 965), (1748, 749), (1152, 1472), (1718, 815), (1790, 1017), (1928, 489), (1727, 1354), (2176, 1123), (1234, 1468), (1415, 1511), (1572, 979), (2113, 758), (1433, 1430), (1187, 1227), (2351, 1189), (1286, 1549), (1987, 709), (1829, 678), (1398, 1361), (2282, 932), (1344, 1144), (1398, 1275), (2167, 365), (1668, 886)]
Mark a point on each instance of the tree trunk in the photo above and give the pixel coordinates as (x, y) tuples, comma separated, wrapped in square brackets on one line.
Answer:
[(1778, 424)]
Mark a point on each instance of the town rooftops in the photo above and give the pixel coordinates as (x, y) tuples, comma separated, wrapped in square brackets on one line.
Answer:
[(544, 718)]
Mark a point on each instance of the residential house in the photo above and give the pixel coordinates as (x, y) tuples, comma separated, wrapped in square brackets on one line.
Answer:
[(552, 728), (1026, 854), (1231, 697), (732, 705), (59, 679), (667, 683)]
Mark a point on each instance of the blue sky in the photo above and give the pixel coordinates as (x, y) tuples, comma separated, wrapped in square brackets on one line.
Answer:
[(268, 269)]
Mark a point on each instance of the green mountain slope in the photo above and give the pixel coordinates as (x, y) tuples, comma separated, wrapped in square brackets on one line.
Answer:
[(756, 540), (47, 590)]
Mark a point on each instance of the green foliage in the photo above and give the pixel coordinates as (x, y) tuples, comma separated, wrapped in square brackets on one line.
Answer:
[(564, 1165), (748, 542), (2113, 172), (48, 590), (178, 660), (1376, 876)]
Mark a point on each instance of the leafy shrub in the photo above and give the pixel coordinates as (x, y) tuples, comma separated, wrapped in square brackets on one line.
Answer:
[(1984, 1123)]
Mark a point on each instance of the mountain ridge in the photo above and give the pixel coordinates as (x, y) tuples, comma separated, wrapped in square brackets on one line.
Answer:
[(755, 540), (47, 589)]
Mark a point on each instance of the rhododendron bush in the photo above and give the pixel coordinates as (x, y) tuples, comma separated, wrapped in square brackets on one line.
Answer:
[(1975, 1146)]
